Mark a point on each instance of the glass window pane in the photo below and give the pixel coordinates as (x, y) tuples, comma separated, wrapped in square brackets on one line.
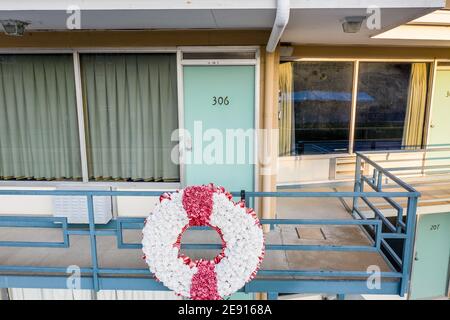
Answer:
[(382, 105), (322, 96), (131, 109), (38, 118)]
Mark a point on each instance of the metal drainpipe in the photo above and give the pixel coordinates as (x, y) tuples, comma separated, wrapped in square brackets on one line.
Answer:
[(281, 21), (268, 165)]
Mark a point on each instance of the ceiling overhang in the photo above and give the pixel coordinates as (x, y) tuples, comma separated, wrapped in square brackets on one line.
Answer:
[(310, 22)]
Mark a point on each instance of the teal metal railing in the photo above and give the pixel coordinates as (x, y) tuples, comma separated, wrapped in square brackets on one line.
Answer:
[(378, 228)]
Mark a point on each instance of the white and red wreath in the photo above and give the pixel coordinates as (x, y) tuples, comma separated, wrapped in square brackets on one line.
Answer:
[(238, 226)]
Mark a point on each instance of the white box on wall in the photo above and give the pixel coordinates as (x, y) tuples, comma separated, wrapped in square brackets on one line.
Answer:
[(74, 208)]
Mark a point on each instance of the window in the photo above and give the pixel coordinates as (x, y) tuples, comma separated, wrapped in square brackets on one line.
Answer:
[(131, 111), (320, 96), (385, 93), (38, 118), (316, 105)]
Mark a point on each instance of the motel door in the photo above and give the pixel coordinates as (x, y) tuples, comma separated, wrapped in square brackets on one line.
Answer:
[(219, 115), (430, 272), (440, 110)]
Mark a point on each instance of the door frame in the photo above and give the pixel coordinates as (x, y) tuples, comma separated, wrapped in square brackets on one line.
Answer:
[(429, 112), (219, 62)]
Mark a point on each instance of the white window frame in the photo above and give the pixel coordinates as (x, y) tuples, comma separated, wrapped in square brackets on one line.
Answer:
[(75, 52)]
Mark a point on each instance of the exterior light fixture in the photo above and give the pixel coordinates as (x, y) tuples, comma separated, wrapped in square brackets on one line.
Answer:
[(14, 27), (286, 50), (352, 24)]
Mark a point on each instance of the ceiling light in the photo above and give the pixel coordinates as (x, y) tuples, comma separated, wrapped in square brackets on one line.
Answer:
[(352, 24), (286, 50), (14, 27)]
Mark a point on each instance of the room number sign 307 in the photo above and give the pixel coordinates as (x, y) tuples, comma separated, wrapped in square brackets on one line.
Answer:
[(220, 101)]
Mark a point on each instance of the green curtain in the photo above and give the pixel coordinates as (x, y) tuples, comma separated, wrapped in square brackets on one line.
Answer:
[(286, 87), (131, 108), (415, 112), (38, 118)]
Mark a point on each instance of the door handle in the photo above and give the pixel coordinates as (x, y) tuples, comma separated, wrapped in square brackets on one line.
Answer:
[(188, 143), (431, 126)]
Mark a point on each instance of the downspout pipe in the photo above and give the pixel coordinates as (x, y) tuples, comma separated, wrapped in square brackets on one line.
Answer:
[(281, 21)]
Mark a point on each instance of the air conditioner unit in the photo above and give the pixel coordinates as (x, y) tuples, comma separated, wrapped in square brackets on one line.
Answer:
[(74, 208)]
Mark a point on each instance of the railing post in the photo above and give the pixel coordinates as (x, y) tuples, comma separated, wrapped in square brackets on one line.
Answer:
[(272, 295), (243, 197), (93, 241), (379, 230), (408, 245), (399, 219), (380, 181), (357, 186)]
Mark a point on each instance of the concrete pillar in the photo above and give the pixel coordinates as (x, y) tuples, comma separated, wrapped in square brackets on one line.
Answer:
[(269, 145)]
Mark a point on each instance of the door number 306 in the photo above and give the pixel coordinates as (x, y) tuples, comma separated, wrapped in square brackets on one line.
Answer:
[(220, 101)]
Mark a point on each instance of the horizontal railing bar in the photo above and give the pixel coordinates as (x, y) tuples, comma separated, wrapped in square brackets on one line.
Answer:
[(263, 272), (320, 248), (82, 230), (124, 271), (435, 148), (424, 174), (97, 232), (332, 194), (343, 222), (411, 159), (28, 224), (437, 166), (252, 194), (276, 247), (28, 218), (268, 247), (393, 236), (41, 269), (32, 244), (326, 273)]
